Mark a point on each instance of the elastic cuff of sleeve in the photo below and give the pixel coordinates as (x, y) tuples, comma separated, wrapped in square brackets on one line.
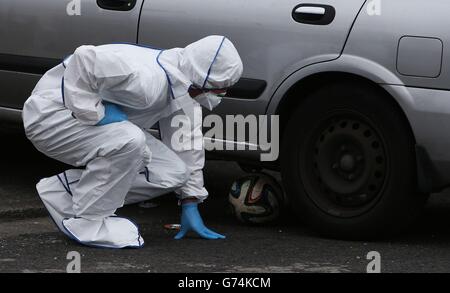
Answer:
[(200, 196)]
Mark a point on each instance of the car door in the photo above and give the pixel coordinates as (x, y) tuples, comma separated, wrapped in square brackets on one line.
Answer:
[(274, 38), (37, 34)]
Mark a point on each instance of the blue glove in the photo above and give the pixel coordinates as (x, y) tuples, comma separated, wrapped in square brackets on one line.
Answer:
[(113, 113), (191, 220)]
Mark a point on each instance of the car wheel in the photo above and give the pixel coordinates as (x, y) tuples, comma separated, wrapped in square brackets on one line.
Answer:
[(348, 163)]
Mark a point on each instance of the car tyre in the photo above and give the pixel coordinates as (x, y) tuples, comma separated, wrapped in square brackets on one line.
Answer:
[(348, 163)]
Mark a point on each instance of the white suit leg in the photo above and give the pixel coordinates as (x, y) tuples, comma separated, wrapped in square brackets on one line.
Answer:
[(166, 172), (113, 155)]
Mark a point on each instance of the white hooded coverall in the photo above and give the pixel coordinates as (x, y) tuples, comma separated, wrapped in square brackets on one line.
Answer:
[(122, 162)]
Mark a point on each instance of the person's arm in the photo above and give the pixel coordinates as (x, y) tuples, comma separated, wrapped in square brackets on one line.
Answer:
[(191, 150), (93, 72), (80, 88)]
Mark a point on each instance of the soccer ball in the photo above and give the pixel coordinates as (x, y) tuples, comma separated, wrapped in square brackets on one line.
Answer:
[(256, 199)]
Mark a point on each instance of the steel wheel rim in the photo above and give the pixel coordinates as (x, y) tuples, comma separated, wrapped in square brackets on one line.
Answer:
[(346, 166)]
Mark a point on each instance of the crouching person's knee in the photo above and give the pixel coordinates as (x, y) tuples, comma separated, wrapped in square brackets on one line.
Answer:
[(130, 141), (133, 138)]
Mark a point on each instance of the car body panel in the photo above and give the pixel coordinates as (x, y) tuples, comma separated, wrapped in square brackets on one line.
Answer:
[(351, 64), (428, 111), (271, 43), (377, 37), (43, 29), (54, 33)]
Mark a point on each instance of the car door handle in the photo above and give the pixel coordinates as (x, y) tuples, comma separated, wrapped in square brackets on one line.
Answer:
[(315, 14), (310, 10), (121, 5)]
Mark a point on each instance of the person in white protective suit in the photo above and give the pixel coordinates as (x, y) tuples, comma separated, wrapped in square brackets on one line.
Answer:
[(92, 112)]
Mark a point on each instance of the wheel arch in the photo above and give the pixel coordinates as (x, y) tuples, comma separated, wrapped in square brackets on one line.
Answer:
[(305, 86), (300, 90)]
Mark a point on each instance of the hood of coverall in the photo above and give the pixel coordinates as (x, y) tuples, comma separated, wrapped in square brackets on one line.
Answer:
[(209, 63)]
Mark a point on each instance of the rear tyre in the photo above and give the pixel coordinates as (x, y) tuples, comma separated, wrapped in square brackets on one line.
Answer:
[(348, 163)]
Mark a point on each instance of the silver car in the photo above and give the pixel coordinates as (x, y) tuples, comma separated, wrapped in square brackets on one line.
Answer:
[(361, 88)]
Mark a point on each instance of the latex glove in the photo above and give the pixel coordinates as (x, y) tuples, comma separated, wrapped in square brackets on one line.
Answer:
[(191, 220), (113, 113)]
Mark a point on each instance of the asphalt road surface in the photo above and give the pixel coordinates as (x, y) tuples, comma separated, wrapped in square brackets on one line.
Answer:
[(29, 242)]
